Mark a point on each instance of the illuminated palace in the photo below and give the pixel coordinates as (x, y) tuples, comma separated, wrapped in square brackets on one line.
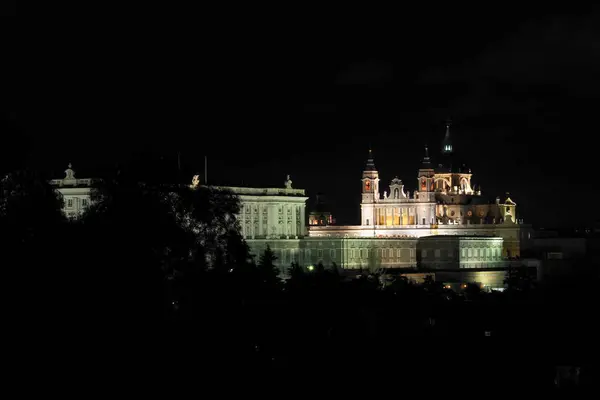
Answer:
[(447, 224)]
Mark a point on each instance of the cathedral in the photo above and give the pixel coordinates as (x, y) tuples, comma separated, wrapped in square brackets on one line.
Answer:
[(446, 202), (445, 196)]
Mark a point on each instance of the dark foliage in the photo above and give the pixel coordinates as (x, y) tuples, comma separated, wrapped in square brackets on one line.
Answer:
[(172, 256)]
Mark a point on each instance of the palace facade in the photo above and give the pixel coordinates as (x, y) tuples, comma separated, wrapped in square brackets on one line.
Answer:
[(447, 225)]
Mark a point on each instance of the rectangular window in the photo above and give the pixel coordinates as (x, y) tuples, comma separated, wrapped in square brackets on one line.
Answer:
[(70, 203), (423, 253), (367, 221), (85, 202), (332, 254), (437, 253), (320, 253)]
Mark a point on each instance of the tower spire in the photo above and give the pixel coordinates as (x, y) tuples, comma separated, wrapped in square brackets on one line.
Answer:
[(426, 161), (370, 162), (447, 143)]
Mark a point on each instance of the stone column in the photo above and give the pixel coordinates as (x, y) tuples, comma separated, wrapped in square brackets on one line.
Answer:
[(294, 227), (302, 227), (252, 225), (242, 220)]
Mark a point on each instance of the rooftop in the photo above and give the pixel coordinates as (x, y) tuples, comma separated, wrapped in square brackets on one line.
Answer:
[(263, 191)]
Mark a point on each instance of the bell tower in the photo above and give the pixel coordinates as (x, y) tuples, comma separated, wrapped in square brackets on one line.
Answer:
[(426, 192), (370, 191)]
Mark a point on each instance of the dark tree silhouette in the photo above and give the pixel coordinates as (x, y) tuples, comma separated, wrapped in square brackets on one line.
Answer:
[(295, 271), (519, 279), (269, 272), (34, 237)]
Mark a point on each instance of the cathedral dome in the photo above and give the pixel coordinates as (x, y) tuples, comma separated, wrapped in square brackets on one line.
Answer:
[(320, 212)]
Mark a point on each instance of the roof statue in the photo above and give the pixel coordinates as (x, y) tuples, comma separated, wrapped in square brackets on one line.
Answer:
[(70, 174), (288, 183), (195, 181)]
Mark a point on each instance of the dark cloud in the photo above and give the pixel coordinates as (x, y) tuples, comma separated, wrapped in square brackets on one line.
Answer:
[(320, 108), (556, 57), (368, 73)]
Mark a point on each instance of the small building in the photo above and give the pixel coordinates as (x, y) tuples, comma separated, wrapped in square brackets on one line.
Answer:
[(76, 192)]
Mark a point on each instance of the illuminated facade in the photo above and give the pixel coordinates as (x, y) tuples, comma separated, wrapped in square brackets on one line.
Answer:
[(76, 192), (271, 213), (446, 203), (446, 225), (272, 216)]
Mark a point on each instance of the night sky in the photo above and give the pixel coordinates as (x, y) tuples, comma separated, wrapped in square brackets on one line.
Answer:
[(307, 96)]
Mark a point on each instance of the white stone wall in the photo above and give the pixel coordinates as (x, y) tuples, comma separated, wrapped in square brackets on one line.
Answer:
[(459, 252), (271, 213), (76, 200), (510, 233)]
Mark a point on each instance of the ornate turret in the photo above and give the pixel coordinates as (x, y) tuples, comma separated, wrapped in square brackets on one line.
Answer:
[(397, 189)]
